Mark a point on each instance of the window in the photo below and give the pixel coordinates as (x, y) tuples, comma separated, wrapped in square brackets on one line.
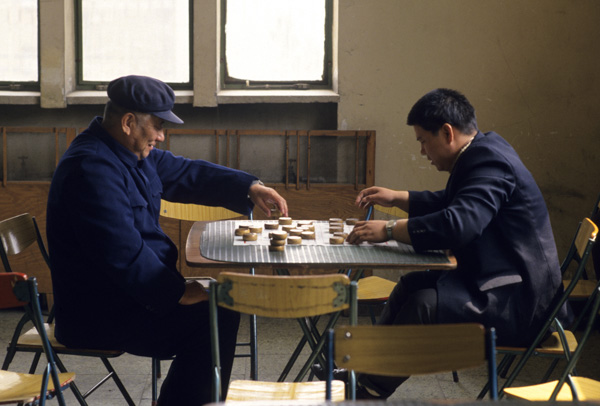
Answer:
[(142, 37), (19, 50), (276, 44)]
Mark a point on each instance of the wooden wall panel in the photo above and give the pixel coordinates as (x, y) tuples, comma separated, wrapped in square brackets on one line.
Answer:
[(29, 198)]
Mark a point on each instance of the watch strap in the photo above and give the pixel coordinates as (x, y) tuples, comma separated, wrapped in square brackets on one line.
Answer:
[(389, 228)]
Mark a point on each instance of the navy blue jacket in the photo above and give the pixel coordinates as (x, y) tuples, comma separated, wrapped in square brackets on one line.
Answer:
[(493, 217), (111, 263)]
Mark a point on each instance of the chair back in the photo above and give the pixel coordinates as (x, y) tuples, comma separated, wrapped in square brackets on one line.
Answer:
[(595, 216), (282, 296), (278, 297), (195, 212), (17, 290), (579, 252), (404, 350), (17, 234)]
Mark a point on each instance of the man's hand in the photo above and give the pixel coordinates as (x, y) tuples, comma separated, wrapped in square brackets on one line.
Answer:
[(383, 197), (194, 293), (372, 231), (263, 196)]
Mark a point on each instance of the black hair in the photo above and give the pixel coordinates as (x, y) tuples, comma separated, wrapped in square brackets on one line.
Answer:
[(441, 106)]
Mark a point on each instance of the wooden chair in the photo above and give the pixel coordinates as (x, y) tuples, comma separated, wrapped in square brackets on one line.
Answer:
[(561, 343), (280, 297), (16, 290), (405, 350), (17, 234), (196, 212), (568, 387), (586, 287)]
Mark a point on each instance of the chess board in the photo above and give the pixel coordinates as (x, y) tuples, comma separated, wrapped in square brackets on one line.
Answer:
[(219, 243)]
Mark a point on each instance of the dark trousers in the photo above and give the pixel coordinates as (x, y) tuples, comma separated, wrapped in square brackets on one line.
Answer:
[(185, 334), (413, 301)]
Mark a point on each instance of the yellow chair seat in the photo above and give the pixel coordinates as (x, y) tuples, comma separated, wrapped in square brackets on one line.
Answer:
[(588, 390), (374, 288), (31, 339), (550, 346), (242, 390), (16, 387)]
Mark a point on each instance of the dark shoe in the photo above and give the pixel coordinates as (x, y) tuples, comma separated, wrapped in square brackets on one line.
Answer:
[(338, 374)]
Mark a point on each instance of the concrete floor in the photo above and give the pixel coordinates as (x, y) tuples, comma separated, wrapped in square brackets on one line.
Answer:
[(277, 338)]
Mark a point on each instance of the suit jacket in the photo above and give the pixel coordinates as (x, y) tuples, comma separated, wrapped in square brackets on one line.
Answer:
[(112, 265), (493, 217)]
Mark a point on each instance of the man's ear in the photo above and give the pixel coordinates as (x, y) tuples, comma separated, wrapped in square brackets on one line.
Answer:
[(448, 132), (127, 121)]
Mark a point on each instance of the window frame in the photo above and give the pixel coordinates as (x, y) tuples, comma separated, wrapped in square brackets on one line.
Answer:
[(227, 82), (16, 85), (102, 85)]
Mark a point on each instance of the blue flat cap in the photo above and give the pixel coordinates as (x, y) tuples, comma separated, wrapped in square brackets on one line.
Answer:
[(145, 95)]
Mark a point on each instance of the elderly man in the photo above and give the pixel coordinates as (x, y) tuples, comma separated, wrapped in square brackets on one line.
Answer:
[(114, 270)]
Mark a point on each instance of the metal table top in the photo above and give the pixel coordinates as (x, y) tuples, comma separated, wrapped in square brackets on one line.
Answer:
[(211, 243)]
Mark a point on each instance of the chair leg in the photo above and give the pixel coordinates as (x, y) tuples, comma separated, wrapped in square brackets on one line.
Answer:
[(73, 386), (504, 363), (118, 381), (549, 370), (253, 349), (504, 372), (155, 375)]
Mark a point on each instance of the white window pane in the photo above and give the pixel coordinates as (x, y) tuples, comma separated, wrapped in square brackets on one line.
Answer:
[(141, 37), (19, 41), (275, 40)]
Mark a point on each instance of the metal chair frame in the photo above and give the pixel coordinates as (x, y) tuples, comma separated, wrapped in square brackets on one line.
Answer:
[(569, 371), (265, 306), (24, 232), (24, 292), (579, 252)]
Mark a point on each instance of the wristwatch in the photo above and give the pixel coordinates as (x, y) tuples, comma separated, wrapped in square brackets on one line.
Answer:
[(389, 228)]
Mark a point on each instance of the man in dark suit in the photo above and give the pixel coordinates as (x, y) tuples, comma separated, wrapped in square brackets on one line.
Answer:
[(114, 275), (491, 215)]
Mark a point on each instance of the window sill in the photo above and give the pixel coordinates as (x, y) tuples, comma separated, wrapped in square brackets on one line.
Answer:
[(277, 96), (100, 97), (19, 97), (80, 97)]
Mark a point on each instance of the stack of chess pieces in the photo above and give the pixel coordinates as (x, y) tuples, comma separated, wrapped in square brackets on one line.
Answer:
[(290, 233), (284, 232)]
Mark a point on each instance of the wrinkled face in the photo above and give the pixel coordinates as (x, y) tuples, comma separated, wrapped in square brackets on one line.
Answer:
[(146, 131), (436, 148)]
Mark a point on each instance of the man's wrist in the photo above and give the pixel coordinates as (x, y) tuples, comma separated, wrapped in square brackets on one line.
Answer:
[(254, 182), (389, 228)]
